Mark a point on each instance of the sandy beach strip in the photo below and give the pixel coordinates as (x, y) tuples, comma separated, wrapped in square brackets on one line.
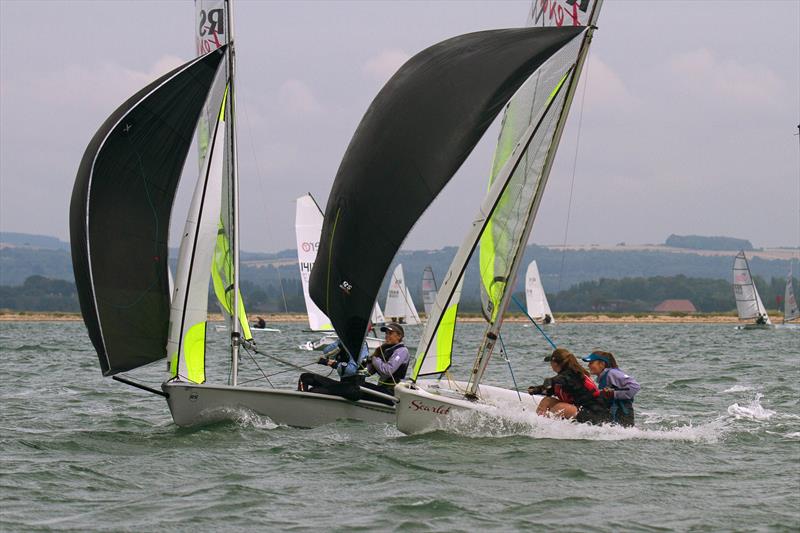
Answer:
[(565, 318)]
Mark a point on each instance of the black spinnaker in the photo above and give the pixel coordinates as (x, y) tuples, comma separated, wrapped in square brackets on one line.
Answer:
[(120, 211), (417, 132)]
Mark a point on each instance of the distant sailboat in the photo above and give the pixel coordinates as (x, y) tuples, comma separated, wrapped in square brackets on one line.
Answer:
[(399, 305), (748, 302), (791, 314), (429, 289), (308, 224), (536, 299)]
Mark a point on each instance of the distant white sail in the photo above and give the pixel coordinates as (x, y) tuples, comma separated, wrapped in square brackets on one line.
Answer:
[(538, 308), (790, 310), (307, 227), (377, 315), (748, 302), (399, 305), (428, 289)]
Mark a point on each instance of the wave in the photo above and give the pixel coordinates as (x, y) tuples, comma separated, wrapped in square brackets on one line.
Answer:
[(753, 411), (738, 388)]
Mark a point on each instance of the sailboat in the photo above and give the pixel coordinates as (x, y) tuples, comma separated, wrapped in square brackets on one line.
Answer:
[(529, 136), (791, 313), (433, 128), (535, 298), (429, 289), (119, 226), (748, 302), (399, 305), (308, 225)]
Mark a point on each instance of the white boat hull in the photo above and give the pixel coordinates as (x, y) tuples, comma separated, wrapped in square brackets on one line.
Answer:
[(192, 404), (788, 325), (428, 405), (756, 326)]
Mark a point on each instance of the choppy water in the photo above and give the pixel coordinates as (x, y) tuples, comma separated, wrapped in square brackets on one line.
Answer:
[(717, 446)]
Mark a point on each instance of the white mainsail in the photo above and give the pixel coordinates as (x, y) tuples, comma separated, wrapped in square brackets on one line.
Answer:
[(748, 302), (535, 298), (790, 310), (399, 305), (308, 226), (428, 290)]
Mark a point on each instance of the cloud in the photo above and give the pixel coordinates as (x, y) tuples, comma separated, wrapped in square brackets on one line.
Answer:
[(606, 89), (298, 98), (700, 72), (109, 84), (385, 64)]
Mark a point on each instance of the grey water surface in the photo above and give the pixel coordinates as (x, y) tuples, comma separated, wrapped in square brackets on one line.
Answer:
[(716, 447)]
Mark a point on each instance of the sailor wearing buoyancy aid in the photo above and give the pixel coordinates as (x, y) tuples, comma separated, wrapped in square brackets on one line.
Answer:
[(617, 388), (571, 393), (390, 361)]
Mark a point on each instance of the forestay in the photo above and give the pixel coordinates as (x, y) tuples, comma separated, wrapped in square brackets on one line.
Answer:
[(416, 133)]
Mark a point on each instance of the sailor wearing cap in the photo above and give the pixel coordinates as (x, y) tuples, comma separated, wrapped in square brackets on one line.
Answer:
[(617, 388), (389, 361)]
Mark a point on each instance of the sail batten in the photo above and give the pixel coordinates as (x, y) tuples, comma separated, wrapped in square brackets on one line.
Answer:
[(411, 141)]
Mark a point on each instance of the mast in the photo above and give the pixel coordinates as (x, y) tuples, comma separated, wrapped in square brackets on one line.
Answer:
[(492, 333), (235, 326)]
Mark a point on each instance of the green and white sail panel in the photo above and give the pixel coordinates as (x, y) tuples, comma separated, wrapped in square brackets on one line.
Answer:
[(790, 310), (189, 311), (307, 227), (437, 357), (211, 32), (399, 305), (529, 137), (535, 298), (748, 302), (428, 290)]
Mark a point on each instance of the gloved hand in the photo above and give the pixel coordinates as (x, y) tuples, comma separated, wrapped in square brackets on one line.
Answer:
[(322, 361), (537, 389), (608, 394)]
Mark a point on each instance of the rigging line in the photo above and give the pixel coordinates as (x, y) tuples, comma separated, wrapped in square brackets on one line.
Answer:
[(572, 182), (525, 311), (508, 361), (257, 365), (259, 175)]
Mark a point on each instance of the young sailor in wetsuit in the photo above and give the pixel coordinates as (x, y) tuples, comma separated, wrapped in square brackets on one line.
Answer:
[(571, 393), (617, 388), (389, 361), (349, 382)]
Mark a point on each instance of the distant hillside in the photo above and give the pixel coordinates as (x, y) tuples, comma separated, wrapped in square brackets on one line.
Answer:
[(697, 242), (270, 279), (33, 241)]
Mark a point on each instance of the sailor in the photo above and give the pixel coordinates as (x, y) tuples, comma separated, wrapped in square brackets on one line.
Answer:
[(571, 393), (389, 361), (260, 323), (617, 388), (337, 358), (761, 320), (547, 319)]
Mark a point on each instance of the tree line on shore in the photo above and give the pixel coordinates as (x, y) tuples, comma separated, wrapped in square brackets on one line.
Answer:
[(42, 294)]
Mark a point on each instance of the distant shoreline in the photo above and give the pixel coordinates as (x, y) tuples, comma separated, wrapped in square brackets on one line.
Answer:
[(567, 318)]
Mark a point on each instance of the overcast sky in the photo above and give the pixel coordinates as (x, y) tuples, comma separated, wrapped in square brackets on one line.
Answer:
[(689, 123)]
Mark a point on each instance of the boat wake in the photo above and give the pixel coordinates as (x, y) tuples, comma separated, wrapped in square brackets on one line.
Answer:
[(753, 411)]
